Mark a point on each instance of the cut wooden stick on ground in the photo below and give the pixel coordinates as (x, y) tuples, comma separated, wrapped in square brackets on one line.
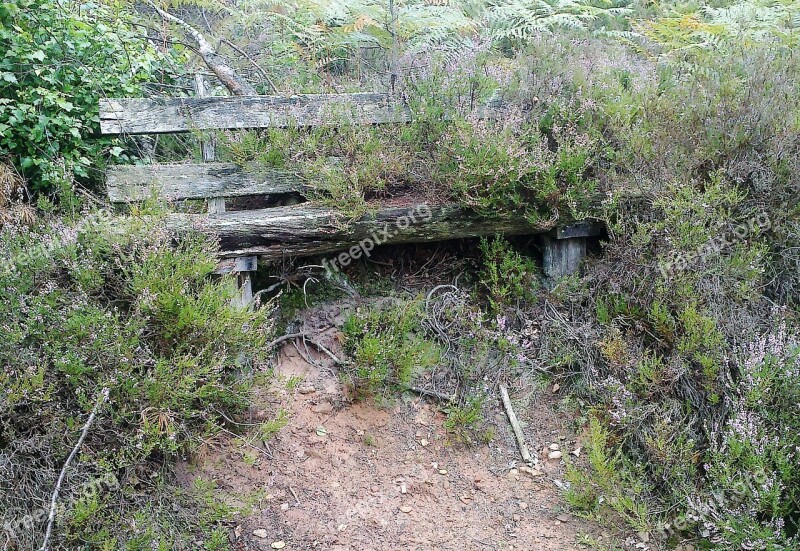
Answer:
[(512, 418), (101, 399)]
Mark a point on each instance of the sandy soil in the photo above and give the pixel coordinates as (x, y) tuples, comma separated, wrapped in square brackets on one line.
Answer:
[(365, 476)]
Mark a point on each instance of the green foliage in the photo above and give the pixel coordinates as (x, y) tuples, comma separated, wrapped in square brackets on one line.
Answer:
[(387, 348), (466, 424), (694, 32), (272, 427), (113, 303), (610, 483), (58, 59), (507, 275), (519, 21), (487, 165), (688, 280)]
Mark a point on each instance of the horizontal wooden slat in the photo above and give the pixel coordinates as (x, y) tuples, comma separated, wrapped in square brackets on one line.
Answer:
[(237, 264), (164, 115), (128, 184), (307, 229)]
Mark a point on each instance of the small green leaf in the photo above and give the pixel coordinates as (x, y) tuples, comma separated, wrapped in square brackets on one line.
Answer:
[(64, 104)]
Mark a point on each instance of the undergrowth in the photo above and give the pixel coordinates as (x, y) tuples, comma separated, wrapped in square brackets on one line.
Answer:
[(96, 304), (388, 348)]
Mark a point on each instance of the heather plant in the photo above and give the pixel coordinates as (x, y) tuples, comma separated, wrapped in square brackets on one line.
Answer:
[(507, 276), (105, 305), (475, 138), (488, 165), (388, 348), (656, 337), (752, 462)]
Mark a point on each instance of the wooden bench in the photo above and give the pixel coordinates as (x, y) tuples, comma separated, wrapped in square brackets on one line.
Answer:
[(303, 229)]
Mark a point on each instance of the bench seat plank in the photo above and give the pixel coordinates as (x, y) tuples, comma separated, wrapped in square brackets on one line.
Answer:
[(132, 183), (308, 229)]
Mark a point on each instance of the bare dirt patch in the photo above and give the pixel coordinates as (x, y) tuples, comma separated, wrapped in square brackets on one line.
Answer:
[(364, 475)]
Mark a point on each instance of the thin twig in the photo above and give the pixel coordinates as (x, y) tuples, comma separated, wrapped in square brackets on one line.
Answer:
[(101, 399), (244, 441), (256, 65), (286, 337), (305, 338), (432, 394)]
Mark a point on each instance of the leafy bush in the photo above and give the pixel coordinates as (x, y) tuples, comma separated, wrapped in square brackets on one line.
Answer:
[(111, 304), (58, 59)]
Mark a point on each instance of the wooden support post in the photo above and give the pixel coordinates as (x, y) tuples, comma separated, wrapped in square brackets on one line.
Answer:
[(562, 256), (242, 266)]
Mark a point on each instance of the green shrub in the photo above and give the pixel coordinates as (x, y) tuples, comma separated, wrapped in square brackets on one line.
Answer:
[(58, 59), (388, 348), (508, 276), (466, 423), (611, 483), (112, 303)]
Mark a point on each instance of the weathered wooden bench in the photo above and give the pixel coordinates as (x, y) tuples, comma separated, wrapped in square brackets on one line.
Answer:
[(303, 229)]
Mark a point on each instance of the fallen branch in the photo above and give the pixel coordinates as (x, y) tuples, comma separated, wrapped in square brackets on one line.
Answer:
[(432, 394), (256, 65), (101, 399), (225, 73), (512, 418), (305, 338)]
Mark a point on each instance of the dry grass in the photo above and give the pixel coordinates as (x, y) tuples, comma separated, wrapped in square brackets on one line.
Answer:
[(13, 209)]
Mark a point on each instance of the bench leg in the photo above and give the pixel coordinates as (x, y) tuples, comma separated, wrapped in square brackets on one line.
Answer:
[(562, 256), (245, 299)]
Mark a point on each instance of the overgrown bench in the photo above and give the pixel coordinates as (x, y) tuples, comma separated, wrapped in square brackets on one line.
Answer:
[(307, 228)]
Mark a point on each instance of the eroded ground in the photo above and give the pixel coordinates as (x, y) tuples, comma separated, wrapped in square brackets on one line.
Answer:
[(344, 475)]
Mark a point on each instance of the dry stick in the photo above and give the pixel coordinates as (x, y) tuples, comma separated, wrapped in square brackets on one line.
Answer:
[(52, 516), (512, 418), (279, 340), (226, 74), (305, 338), (432, 394), (256, 65)]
